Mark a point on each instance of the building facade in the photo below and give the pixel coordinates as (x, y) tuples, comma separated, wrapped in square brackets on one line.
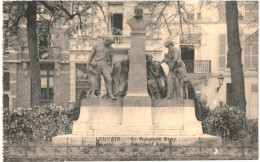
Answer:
[(204, 52)]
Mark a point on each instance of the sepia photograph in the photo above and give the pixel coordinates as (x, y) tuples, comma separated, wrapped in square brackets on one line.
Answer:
[(126, 80)]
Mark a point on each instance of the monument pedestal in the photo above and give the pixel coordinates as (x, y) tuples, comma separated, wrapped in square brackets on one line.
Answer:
[(137, 111), (107, 122)]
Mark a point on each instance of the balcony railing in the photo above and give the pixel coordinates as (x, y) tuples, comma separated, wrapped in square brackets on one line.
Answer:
[(198, 66), (124, 41), (120, 40), (44, 53)]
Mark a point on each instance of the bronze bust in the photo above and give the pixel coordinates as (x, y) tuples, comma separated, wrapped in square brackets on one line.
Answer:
[(138, 22)]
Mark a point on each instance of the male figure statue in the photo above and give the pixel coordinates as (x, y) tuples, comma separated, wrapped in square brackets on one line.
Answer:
[(156, 78), (102, 55), (173, 59)]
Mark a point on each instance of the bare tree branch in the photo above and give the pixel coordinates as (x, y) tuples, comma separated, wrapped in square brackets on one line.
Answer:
[(165, 20), (179, 11), (161, 13), (104, 15), (48, 7)]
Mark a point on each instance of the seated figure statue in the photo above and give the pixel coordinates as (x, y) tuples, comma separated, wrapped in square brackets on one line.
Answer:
[(156, 78), (120, 78)]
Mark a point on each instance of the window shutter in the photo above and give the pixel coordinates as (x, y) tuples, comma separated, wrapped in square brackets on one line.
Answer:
[(251, 52), (247, 56), (222, 51), (6, 81), (254, 88)]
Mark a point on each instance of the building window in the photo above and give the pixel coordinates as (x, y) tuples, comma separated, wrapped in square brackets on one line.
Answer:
[(81, 80), (187, 55), (198, 16), (117, 24), (6, 88), (6, 81), (191, 17), (222, 51), (47, 89), (115, 3), (222, 11), (5, 101), (5, 38), (44, 38), (254, 88), (251, 11), (251, 52), (229, 94)]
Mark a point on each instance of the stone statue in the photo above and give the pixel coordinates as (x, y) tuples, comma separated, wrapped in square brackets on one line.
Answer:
[(180, 73), (156, 78), (120, 78), (92, 79), (138, 23), (102, 55), (187, 86), (177, 71)]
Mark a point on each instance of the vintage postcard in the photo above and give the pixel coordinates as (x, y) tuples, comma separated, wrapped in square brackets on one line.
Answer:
[(130, 80)]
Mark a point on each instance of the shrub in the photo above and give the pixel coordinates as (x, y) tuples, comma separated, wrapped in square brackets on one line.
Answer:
[(253, 131), (227, 122), (38, 123), (75, 111)]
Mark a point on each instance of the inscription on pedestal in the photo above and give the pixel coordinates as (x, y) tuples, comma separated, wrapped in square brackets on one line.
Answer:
[(143, 141), (135, 141)]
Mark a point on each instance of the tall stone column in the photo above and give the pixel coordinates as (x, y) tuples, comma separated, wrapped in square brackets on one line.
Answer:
[(137, 82), (137, 103)]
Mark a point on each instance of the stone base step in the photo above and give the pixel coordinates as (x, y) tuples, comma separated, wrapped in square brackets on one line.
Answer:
[(182, 128), (167, 140)]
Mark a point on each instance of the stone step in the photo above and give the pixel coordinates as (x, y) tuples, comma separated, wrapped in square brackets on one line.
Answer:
[(142, 141), (137, 132)]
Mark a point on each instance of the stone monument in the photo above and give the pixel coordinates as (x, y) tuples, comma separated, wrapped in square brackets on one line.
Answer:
[(136, 119), (137, 103)]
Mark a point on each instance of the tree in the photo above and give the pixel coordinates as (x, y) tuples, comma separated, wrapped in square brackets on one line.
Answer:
[(236, 67), (33, 53), (57, 12), (163, 14)]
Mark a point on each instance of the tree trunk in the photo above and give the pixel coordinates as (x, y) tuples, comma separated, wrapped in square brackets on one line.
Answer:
[(236, 67), (34, 55)]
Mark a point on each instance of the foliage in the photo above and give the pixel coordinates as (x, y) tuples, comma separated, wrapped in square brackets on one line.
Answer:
[(75, 111), (65, 19), (38, 123), (226, 121), (201, 108), (253, 131)]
